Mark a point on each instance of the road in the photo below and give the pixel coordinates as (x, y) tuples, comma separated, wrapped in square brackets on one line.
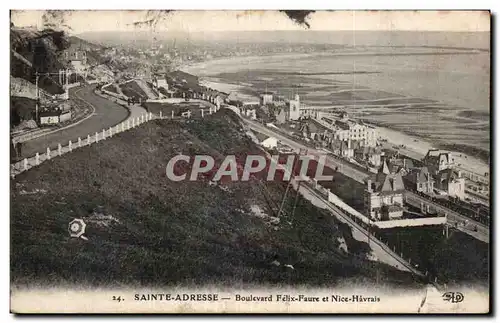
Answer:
[(107, 114), (358, 175)]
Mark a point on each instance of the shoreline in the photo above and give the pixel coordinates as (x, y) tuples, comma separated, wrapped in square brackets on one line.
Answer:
[(415, 144)]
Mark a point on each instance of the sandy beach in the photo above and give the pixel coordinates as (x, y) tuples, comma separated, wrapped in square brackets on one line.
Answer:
[(417, 148)]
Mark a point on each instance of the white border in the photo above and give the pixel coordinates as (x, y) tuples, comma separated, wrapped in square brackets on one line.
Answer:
[(190, 4)]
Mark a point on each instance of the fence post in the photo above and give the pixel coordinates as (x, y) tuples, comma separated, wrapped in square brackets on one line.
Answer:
[(103, 134), (128, 124), (79, 142), (150, 116), (48, 153), (37, 159), (160, 114), (25, 163), (172, 114), (133, 122), (59, 149), (202, 113), (88, 140), (110, 132), (70, 146), (96, 137)]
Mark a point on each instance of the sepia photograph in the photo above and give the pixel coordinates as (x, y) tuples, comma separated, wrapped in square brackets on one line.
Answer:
[(259, 161)]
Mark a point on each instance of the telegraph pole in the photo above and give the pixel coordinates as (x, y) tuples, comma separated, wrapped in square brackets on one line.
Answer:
[(37, 97)]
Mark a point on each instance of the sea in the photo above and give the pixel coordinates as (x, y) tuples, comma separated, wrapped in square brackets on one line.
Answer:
[(432, 85)]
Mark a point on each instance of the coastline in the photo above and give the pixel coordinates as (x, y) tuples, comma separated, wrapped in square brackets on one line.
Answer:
[(416, 145)]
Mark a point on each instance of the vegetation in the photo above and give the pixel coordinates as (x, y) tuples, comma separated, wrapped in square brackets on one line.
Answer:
[(132, 89), (458, 259), (21, 109)]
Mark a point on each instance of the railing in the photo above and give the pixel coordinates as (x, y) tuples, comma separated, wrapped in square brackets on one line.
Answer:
[(27, 163)]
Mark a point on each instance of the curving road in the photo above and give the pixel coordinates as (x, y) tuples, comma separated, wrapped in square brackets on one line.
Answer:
[(107, 114)]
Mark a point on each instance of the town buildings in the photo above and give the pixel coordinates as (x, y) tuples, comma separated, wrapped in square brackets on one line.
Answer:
[(420, 179), (451, 181), (383, 195), (78, 60), (437, 160), (442, 167), (294, 108), (370, 155), (266, 98), (345, 129)]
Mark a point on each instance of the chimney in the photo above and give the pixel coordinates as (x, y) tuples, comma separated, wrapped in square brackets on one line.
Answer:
[(369, 185)]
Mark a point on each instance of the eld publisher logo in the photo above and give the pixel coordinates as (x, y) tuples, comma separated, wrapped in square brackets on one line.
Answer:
[(453, 297)]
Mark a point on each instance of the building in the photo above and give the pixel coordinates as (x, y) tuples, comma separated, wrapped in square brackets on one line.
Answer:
[(383, 195), (419, 179), (161, 82), (371, 155), (351, 130), (437, 160), (344, 129), (450, 181), (266, 98), (342, 148), (251, 113), (309, 113), (270, 143), (51, 117), (281, 116), (78, 60), (294, 108)]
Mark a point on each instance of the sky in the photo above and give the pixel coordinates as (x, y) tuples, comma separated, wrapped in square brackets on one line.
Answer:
[(197, 21)]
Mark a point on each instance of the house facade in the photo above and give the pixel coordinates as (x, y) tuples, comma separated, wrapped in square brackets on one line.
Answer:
[(383, 195), (451, 182), (437, 160), (420, 179), (294, 108)]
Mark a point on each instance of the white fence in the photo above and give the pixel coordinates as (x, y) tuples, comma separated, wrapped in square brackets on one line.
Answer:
[(410, 222), (334, 199), (36, 160)]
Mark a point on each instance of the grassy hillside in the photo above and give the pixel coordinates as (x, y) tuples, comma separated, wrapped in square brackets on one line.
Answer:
[(144, 229)]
